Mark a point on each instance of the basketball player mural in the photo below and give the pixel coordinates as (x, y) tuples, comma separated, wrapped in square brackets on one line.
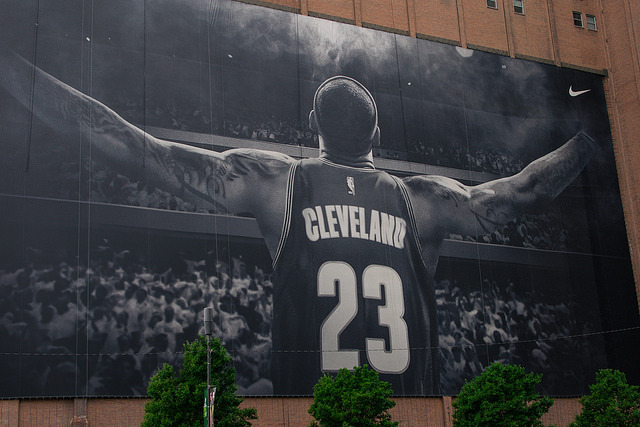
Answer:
[(354, 248)]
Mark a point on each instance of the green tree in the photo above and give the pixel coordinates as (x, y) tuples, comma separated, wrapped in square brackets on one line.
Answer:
[(352, 398), (177, 397), (612, 402), (503, 395)]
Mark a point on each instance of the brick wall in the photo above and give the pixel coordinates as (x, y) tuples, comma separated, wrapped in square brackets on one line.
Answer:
[(72, 412), (579, 46), (443, 25), (621, 27), (272, 412), (531, 33)]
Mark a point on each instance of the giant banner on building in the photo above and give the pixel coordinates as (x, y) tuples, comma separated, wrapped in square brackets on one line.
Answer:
[(158, 158)]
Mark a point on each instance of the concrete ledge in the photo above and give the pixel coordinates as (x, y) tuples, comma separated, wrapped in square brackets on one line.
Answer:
[(383, 28), (487, 49), (602, 72), (438, 39), (535, 59), (271, 5), (332, 18)]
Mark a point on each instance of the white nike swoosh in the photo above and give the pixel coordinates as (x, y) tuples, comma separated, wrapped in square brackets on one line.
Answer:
[(576, 93)]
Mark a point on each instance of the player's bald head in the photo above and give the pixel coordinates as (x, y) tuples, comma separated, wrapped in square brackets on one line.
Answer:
[(345, 115)]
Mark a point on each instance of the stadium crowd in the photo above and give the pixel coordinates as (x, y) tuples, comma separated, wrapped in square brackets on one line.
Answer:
[(133, 320), (183, 116), (500, 322), (548, 230), (272, 130), (130, 320), (458, 156)]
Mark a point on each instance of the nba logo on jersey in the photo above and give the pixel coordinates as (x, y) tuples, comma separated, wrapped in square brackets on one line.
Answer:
[(351, 186)]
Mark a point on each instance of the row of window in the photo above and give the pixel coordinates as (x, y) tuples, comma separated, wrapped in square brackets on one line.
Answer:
[(591, 21), (518, 7)]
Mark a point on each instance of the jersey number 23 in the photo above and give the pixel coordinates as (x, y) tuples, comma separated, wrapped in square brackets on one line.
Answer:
[(336, 278)]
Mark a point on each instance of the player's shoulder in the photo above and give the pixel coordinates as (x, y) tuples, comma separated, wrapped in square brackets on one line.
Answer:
[(434, 185), (252, 154), (266, 163), (436, 194)]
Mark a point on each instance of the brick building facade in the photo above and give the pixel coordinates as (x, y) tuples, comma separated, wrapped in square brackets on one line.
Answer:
[(280, 411), (545, 32)]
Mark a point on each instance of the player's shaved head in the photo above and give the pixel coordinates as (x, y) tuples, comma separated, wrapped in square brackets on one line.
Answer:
[(346, 115)]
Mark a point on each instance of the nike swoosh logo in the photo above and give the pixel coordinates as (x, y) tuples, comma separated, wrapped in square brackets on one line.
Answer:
[(576, 93)]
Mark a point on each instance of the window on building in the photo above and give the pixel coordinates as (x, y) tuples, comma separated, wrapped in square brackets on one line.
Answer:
[(493, 4), (591, 23), (577, 19), (518, 7)]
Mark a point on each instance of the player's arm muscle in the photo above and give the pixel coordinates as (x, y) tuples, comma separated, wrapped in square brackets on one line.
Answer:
[(221, 181), (229, 182), (475, 210)]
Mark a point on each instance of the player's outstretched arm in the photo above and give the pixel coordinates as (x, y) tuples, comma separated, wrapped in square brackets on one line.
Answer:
[(226, 182), (444, 205)]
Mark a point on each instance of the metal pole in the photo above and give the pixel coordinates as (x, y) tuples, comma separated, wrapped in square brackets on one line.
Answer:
[(210, 422), (208, 331), (213, 400)]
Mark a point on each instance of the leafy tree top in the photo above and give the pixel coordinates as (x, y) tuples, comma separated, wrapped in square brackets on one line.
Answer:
[(503, 395), (612, 402), (352, 398), (177, 397)]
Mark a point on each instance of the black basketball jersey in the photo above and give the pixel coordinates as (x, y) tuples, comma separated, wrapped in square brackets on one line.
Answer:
[(351, 287)]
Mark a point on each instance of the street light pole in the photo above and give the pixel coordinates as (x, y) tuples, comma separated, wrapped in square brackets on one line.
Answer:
[(208, 331)]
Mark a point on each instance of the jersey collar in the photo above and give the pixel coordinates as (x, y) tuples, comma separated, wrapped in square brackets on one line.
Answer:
[(360, 162)]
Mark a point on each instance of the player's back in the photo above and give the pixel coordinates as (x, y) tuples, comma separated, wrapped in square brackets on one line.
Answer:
[(351, 286)]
